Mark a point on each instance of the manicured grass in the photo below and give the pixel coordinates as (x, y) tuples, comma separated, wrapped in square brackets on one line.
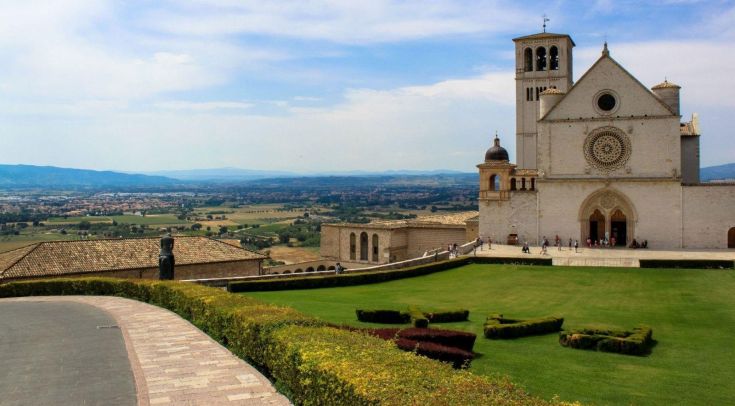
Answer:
[(692, 313)]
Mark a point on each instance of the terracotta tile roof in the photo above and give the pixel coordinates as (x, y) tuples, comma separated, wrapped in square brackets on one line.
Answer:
[(53, 258)]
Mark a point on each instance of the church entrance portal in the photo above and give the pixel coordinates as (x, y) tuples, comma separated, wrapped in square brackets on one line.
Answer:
[(605, 214), (731, 238)]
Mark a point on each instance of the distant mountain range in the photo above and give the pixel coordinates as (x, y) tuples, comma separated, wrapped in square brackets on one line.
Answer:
[(25, 176), (228, 175), (51, 176), (719, 172)]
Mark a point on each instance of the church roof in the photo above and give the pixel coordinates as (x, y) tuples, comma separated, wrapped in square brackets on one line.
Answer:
[(58, 258), (605, 55), (544, 35), (666, 85)]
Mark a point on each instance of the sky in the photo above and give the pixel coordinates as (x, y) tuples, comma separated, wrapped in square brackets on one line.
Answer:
[(322, 85)]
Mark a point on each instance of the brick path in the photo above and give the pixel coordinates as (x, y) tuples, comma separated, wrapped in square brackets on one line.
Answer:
[(174, 363)]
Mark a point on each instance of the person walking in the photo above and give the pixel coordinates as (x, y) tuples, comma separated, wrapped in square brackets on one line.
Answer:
[(570, 244), (576, 245), (338, 268)]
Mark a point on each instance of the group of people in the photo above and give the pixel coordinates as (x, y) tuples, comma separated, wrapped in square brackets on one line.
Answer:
[(636, 244), (545, 245), (602, 243)]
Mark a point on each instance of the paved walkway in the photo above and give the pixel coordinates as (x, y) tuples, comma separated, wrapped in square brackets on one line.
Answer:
[(173, 362), (602, 256), (62, 353)]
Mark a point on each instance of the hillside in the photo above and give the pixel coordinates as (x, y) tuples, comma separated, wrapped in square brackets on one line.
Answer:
[(51, 176), (719, 172)]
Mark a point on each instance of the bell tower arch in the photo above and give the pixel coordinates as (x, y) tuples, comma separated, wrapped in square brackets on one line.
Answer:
[(543, 61)]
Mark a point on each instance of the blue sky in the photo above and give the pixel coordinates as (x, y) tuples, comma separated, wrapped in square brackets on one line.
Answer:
[(321, 85)]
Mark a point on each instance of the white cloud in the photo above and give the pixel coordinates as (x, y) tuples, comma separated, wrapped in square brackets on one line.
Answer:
[(204, 106), (343, 21)]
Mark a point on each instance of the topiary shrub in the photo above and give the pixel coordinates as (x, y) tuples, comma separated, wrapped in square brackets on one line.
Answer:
[(383, 316), (498, 327), (447, 316), (635, 342), (417, 317)]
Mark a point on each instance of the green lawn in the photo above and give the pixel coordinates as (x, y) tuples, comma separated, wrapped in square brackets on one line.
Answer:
[(692, 313)]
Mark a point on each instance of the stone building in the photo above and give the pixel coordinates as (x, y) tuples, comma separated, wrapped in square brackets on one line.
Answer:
[(381, 242), (601, 158), (196, 258)]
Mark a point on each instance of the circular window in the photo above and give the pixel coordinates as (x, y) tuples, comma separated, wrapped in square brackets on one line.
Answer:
[(607, 148), (606, 102)]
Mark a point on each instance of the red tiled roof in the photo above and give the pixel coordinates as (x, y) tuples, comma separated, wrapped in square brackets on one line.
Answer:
[(54, 258)]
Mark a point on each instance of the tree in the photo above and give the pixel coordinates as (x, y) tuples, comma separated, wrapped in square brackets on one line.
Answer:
[(84, 225), (196, 227), (223, 230)]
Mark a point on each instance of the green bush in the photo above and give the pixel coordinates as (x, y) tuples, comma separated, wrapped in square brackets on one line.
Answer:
[(383, 316), (417, 317), (499, 327), (687, 263), (326, 366), (635, 342), (314, 363)]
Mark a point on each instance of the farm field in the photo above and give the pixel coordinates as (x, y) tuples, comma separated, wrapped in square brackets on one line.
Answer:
[(151, 219), (692, 313)]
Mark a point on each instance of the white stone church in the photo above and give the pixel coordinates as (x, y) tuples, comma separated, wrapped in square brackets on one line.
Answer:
[(601, 158)]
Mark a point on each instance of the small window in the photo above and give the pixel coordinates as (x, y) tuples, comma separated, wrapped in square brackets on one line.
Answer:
[(541, 58), (527, 60), (606, 102), (554, 58)]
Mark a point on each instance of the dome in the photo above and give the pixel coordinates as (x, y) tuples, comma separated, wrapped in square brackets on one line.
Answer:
[(496, 152), (666, 85)]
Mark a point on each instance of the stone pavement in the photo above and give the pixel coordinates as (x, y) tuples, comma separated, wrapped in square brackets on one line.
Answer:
[(173, 362), (626, 257)]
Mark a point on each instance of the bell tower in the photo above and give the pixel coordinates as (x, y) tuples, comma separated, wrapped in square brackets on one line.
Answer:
[(543, 61)]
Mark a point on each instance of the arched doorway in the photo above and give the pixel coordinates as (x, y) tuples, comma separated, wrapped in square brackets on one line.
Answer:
[(363, 246), (597, 226), (618, 227), (607, 213), (375, 248), (731, 238)]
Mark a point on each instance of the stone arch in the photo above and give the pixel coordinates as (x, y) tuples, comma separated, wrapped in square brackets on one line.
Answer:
[(330, 268), (731, 238), (528, 60), (494, 182), (617, 210), (286, 272), (299, 271), (513, 185), (353, 246), (540, 58), (310, 269), (375, 250), (363, 246), (321, 268), (553, 58)]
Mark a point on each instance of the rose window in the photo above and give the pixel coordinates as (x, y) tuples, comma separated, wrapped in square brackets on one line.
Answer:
[(607, 148)]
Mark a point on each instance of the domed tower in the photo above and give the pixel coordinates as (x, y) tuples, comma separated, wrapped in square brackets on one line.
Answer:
[(495, 173)]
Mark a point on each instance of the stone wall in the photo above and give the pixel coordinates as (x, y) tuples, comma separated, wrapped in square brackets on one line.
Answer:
[(421, 240), (709, 212), (498, 219)]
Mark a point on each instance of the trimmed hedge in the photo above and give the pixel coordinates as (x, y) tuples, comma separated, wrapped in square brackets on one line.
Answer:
[(635, 342), (499, 327), (314, 363), (414, 315), (687, 263), (383, 316), (458, 357), (367, 277), (417, 317), (447, 316), (348, 279)]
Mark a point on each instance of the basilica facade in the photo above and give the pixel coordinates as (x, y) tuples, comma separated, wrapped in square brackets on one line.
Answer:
[(603, 158)]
